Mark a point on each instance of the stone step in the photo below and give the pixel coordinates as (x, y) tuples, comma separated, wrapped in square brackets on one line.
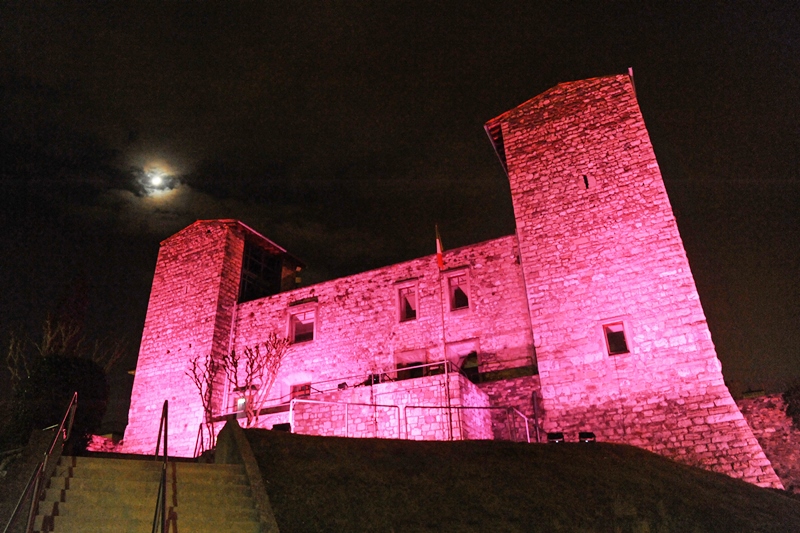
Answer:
[(135, 487), (90, 465), (105, 494), (238, 497), (197, 478), (142, 510), (63, 524)]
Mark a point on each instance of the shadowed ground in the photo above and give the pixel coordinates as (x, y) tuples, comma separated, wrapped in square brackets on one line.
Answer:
[(336, 484)]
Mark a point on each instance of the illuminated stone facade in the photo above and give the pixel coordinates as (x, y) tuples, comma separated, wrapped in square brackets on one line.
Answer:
[(594, 287)]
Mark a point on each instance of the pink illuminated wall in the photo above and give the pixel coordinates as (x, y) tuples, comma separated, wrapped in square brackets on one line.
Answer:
[(190, 313), (603, 261), (595, 287)]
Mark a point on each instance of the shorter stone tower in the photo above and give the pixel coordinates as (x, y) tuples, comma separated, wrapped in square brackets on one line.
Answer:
[(621, 340), (201, 274)]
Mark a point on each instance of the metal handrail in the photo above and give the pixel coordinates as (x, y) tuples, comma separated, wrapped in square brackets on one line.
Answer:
[(45, 467), (346, 411), (161, 501), (404, 419), (354, 380), (199, 442)]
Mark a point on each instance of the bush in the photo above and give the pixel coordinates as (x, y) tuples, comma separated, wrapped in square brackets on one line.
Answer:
[(792, 399)]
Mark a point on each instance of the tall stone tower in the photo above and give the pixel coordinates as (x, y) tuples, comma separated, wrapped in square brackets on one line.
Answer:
[(201, 274), (621, 340)]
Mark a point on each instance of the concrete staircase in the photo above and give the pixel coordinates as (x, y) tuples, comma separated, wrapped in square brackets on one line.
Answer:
[(89, 494)]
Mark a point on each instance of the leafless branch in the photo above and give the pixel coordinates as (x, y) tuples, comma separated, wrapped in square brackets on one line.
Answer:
[(203, 372)]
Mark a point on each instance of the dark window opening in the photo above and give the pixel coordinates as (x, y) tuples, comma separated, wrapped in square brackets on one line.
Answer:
[(408, 303), (615, 338), (302, 325), (261, 273), (282, 427), (302, 390), (459, 291), (410, 370), (460, 299), (470, 367)]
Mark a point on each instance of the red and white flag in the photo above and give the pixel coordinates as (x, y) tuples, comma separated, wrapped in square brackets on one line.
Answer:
[(439, 249)]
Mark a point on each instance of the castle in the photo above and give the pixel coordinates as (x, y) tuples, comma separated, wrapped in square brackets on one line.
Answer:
[(585, 322)]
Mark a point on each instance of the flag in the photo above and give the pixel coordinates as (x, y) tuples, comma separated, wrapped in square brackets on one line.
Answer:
[(439, 249)]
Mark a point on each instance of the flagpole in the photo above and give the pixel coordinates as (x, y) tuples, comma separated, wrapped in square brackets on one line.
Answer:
[(440, 265)]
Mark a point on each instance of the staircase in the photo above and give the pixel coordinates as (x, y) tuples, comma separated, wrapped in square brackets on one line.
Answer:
[(90, 494)]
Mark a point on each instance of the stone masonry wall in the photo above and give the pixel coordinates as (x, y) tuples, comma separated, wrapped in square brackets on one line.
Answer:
[(413, 409), (195, 287), (358, 330), (600, 246), (519, 393), (779, 438)]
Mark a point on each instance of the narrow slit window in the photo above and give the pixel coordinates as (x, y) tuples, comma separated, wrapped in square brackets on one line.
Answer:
[(459, 291), (408, 303), (616, 343)]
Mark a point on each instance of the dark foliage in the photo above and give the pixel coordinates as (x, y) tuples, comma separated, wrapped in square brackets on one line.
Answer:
[(792, 399), (41, 399)]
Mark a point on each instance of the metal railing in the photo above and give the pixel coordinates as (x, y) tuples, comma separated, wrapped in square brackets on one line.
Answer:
[(385, 375), (160, 515), (377, 377), (45, 468), (402, 422), (461, 409), (346, 412)]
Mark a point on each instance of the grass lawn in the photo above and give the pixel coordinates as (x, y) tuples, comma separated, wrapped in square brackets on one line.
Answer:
[(336, 484)]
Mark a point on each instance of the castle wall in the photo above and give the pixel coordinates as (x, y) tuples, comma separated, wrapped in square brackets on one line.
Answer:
[(519, 393), (600, 247), (414, 410), (358, 330), (596, 279), (190, 313)]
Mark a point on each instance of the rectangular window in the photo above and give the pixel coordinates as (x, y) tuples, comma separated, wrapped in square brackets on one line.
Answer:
[(302, 326), (615, 338), (458, 289), (407, 299), (301, 390)]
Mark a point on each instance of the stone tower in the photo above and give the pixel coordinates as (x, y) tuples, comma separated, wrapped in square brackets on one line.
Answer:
[(202, 272), (621, 340)]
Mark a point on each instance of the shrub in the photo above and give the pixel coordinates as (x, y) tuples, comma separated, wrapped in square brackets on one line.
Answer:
[(792, 399)]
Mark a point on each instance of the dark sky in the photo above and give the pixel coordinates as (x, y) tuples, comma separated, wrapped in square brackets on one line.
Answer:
[(344, 131)]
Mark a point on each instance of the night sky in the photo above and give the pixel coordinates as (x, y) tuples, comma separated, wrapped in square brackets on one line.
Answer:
[(344, 131)]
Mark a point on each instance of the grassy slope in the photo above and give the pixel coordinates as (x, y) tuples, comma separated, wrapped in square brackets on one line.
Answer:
[(334, 484)]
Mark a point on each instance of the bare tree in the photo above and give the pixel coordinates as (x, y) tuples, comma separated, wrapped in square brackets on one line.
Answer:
[(252, 373), (58, 338), (17, 360), (203, 372)]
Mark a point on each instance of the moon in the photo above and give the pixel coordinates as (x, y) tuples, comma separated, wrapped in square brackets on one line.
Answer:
[(158, 178)]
